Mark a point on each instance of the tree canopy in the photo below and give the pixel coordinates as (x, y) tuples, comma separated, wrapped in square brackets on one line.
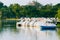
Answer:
[(36, 10)]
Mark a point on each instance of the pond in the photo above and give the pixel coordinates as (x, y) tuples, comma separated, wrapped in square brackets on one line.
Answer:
[(8, 32)]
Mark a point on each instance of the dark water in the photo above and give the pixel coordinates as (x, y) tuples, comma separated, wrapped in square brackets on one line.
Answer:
[(8, 31)]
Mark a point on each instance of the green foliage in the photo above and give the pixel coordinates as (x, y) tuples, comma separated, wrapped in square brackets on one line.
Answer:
[(58, 14), (1, 4), (36, 10)]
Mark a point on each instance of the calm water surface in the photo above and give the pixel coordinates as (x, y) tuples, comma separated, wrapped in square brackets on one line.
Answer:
[(9, 33)]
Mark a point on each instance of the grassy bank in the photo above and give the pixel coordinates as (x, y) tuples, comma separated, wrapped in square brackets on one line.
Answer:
[(58, 25), (12, 19)]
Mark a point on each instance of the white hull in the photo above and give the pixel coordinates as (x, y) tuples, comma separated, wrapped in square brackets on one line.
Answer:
[(34, 24)]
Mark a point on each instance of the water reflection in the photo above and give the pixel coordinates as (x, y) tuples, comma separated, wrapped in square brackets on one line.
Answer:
[(11, 33), (20, 34)]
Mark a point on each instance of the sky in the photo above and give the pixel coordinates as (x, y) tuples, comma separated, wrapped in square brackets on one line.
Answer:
[(24, 2)]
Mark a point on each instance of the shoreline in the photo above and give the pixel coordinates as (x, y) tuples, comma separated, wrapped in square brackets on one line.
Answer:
[(12, 19)]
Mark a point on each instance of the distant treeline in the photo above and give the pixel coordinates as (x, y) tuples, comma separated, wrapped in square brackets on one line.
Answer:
[(34, 9)]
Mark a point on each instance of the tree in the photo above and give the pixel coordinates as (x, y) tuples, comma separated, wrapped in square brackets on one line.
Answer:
[(15, 8), (1, 4), (58, 13)]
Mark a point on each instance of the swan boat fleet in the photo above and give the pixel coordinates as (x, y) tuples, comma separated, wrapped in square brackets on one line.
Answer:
[(37, 23)]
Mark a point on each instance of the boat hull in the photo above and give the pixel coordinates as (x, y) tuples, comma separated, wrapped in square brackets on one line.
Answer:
[(48, 27)]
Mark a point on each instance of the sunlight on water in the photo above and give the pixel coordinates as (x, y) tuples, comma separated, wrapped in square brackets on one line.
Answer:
[(23, 34)]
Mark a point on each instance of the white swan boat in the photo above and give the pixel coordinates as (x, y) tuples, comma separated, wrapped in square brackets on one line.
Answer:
[(36, 24)]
